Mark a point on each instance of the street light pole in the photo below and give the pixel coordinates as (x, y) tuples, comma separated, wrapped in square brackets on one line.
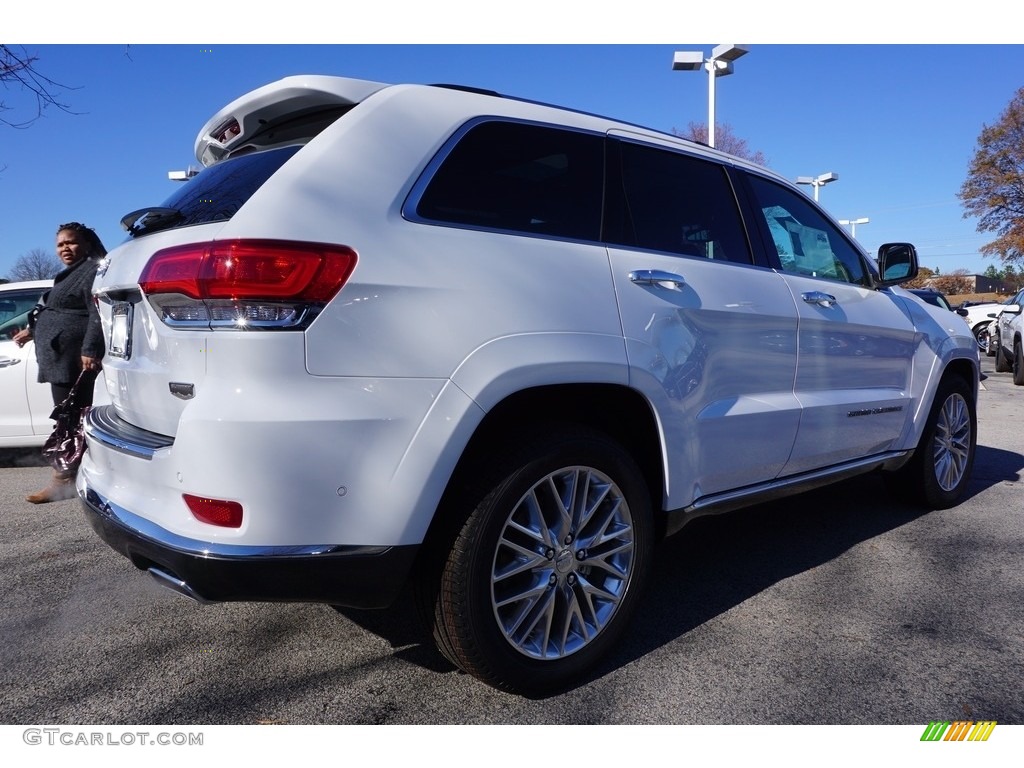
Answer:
[(719, 64), (182, 175), (853, 224), (818, 181)]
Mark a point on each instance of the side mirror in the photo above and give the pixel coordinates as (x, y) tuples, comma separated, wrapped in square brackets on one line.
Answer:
[(962, 312), (897, 263)]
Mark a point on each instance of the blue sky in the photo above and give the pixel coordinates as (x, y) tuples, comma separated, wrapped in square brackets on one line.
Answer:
[(898, 123)]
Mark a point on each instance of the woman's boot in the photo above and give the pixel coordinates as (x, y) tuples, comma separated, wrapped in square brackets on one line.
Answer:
[(61, 488)]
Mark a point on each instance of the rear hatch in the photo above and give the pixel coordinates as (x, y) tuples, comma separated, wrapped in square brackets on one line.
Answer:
[(173, 286)]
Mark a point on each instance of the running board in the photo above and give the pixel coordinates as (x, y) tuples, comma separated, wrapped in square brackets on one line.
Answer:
[(779, 488)]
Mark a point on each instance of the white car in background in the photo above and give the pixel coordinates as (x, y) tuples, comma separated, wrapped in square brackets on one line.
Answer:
[(25, 404), (1013, 336), (1001, 332), (979, 317)]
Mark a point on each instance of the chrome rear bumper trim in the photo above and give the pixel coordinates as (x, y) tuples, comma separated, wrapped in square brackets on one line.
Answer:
[(103, 425)]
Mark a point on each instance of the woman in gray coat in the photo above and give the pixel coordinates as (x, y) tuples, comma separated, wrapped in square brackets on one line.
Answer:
[(67, 332)]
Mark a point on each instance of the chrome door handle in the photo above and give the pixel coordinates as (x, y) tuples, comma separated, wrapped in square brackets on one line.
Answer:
[(657, 277), (7, 362), (819, 298)]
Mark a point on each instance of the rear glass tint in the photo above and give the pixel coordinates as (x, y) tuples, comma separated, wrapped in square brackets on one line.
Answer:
[(217, 192)]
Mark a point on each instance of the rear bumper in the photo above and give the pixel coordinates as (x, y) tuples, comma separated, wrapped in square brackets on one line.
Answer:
[(355, 577)]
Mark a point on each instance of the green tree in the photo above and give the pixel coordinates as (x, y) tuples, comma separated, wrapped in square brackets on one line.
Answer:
[(994, 189)]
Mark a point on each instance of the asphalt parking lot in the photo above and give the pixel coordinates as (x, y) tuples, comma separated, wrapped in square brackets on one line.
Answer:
[(836, 607)]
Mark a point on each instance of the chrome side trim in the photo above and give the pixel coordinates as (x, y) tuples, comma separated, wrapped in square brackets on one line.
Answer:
[(779, 488), (104, 507)]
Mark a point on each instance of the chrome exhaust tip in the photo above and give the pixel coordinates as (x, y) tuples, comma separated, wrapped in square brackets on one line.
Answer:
[(176, 585)]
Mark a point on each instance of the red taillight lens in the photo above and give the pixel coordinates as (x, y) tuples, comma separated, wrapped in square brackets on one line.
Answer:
[(245, 284), (250, 269), (227, 514)]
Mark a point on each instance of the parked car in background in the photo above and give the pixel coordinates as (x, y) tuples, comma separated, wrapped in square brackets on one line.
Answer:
[(25, 404), (1001, 334), (979, 317), (493, 349), (937, 299), (1013, 333)]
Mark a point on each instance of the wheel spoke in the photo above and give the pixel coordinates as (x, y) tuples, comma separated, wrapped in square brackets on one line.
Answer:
[(573, 619), (537, 610), (526, 560), (565, 498), (608, 561), (592, 590), (592, 505)]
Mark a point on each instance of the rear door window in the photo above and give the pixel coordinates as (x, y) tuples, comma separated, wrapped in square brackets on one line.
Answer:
[(676, 203), (520, 177)]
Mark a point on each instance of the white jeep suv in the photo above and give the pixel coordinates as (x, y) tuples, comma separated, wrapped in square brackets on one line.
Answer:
[(493, 349)]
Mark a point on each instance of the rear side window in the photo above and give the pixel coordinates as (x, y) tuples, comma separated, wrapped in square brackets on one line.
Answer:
[(217, 192), (677, 203), (520, 177)]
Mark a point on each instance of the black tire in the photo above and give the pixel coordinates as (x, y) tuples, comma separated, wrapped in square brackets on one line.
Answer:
[(1018, 363), (547, 570), (939, 472), (1002, 364), (981, 336)]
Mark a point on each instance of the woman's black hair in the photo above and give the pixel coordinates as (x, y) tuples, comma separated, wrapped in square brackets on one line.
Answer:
[(96, 249)]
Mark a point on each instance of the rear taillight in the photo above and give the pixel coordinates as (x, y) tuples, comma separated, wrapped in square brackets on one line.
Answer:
[(245, 283), (227, 514)]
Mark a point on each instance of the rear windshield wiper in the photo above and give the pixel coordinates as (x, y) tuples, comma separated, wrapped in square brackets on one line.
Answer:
[(150, 219)]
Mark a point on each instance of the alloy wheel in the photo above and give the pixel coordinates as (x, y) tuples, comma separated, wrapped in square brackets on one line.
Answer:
[(563, 563), (952, 445)]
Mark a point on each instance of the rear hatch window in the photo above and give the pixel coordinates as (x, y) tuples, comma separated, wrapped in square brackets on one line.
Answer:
[(240, 163), (215, 194)]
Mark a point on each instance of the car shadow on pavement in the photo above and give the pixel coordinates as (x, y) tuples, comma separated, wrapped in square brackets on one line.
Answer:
[(718, 562), (993, 466)]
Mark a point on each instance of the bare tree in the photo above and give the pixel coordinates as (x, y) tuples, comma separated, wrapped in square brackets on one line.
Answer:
[(37, 264), (18, 70), (725, 140)]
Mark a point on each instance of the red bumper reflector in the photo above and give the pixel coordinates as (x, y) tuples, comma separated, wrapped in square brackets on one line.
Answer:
[(227, 514)]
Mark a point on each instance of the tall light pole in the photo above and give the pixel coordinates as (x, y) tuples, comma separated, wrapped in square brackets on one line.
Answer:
[(818, 181), (719, 64), (853, 224)]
